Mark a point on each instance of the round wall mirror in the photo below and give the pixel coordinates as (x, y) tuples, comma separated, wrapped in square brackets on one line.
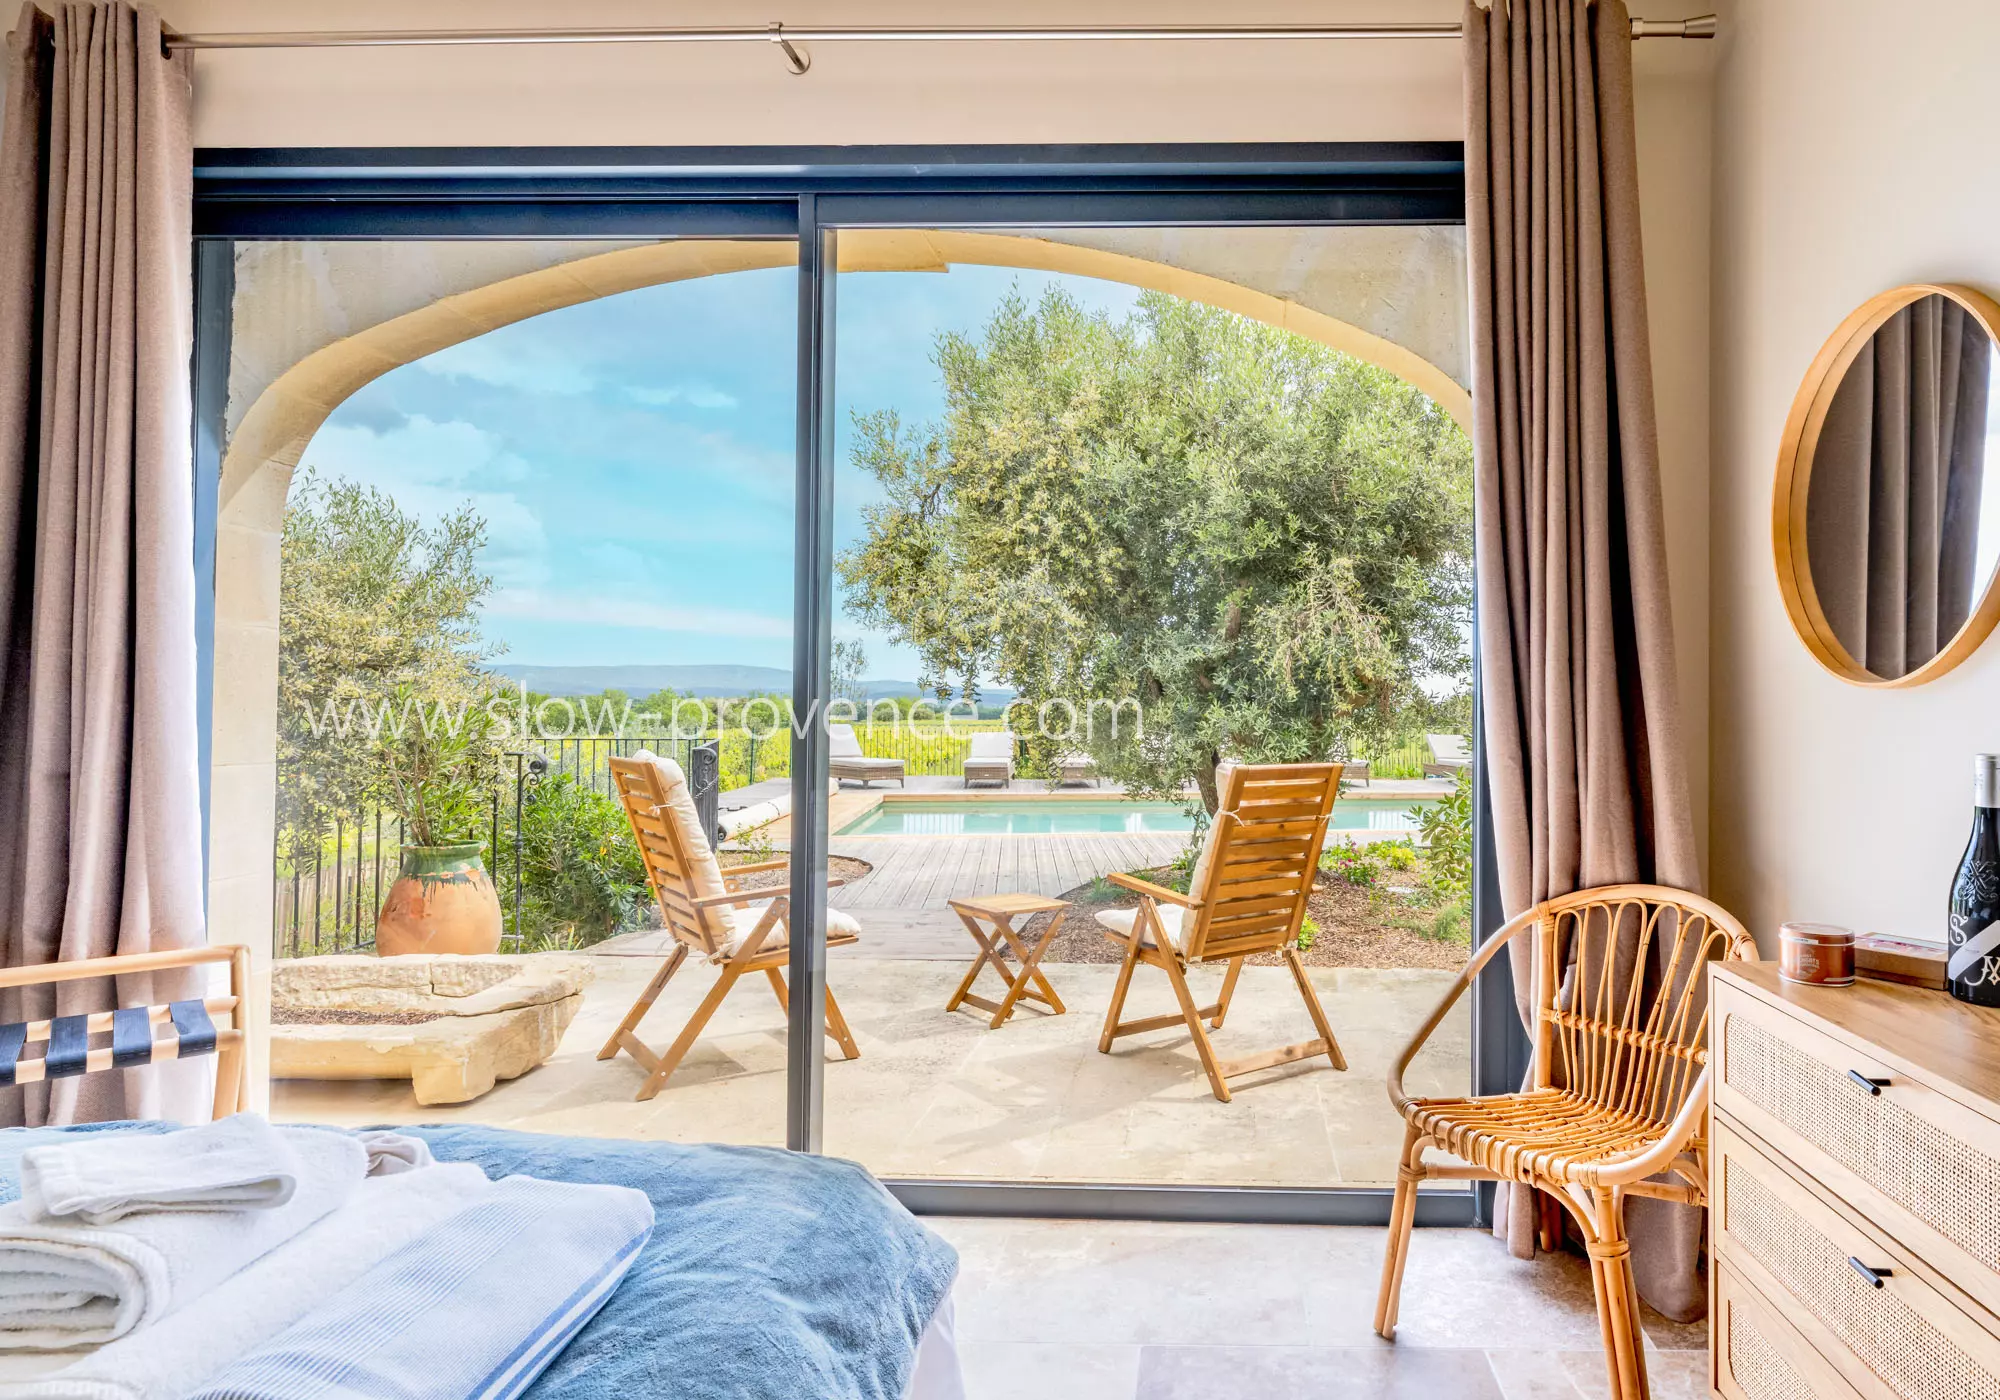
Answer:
[(1886, 526)]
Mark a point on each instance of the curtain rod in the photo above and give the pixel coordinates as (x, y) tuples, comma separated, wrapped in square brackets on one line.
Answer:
[(1700, 27)]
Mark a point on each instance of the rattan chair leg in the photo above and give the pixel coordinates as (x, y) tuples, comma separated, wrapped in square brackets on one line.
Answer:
[(1192, 1015), (685, 1041), (1118, 991), (645, 1002), (1617, 1299), (1402, 1215)]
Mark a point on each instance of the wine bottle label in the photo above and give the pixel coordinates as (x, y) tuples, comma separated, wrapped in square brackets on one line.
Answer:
[(1976, 947)]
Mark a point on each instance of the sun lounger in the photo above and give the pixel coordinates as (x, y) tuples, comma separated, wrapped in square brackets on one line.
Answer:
[(991, 759), (1450, 755), (847, 761), (1076, 768)]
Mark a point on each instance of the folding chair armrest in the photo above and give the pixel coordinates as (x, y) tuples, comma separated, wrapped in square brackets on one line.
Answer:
[(1147, 887), (715, 901), (1504, 935)]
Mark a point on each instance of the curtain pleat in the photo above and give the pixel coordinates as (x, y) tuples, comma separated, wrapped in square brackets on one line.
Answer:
[(100, 789), (1582, 731)]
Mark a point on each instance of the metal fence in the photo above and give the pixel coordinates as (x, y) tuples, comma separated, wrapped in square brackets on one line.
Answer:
[(329, 904)]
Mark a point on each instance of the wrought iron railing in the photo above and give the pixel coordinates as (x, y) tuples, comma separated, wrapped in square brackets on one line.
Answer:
[(327, 903)]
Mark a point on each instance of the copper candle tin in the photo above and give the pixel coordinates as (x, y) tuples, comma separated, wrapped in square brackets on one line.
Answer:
[(1820, 954)]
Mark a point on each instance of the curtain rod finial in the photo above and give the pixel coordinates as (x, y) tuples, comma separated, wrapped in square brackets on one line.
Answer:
[(1699, 27)]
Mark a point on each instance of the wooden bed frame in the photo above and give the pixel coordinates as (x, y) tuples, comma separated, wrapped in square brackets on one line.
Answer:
[(196, 1026)]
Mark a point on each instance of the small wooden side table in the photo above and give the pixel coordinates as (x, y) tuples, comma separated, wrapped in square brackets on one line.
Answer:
[(999, 912)]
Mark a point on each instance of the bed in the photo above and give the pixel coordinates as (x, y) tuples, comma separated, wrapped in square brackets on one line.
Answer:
[(768, 1273)]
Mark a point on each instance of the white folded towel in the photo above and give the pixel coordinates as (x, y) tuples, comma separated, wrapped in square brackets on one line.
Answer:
[(473, 1310), (236, 1163), (239, 1163), (292, 1282), (66, 1284)]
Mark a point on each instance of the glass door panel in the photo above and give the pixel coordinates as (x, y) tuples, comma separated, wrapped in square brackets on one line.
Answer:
[(1117, 509), (492, 516)]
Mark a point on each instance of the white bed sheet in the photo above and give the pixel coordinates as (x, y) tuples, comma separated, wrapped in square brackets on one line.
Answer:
[(937, 1376)]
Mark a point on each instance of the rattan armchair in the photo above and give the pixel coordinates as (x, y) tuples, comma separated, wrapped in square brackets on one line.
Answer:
[(1617, 1103)]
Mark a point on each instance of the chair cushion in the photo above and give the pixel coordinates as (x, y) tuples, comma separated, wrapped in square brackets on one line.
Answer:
[(841, 742), (704, 871), (1173, 919), (743, 921)]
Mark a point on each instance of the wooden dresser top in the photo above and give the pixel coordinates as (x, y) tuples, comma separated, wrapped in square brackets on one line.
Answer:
[(1935, 1036)]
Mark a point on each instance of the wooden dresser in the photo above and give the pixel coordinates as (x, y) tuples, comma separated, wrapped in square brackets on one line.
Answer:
[(1854, 1190)]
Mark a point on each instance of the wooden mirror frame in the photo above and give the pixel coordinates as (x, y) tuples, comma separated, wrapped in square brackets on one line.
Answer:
[(1795, 460)]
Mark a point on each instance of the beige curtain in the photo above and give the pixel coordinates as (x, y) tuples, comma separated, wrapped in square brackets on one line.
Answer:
[(1892, 517), (99, 790), (1582, 734)]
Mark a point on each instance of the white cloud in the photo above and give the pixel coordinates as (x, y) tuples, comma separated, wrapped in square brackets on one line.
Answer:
[(542, 364), (605, 610), (431, 469), (693, 395)]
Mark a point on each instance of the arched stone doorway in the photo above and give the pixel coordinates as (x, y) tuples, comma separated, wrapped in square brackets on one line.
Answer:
[(317, 322)]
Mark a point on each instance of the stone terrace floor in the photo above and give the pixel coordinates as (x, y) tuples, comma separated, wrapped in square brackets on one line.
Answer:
[(937, 1095)]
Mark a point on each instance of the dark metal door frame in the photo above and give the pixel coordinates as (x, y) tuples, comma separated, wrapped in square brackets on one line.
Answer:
[(809, 194)]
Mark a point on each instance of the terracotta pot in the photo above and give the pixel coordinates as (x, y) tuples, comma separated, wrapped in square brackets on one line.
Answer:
[(442, 902)]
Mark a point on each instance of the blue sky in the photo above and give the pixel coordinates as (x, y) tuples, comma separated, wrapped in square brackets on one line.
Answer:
[(633, 456)]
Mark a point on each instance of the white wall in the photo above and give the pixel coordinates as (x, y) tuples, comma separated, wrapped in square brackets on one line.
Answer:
[(1855, 151)]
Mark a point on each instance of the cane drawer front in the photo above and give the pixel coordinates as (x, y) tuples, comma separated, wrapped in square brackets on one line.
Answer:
[(1760, 1356), (1921, 1165), (1903, 1340)]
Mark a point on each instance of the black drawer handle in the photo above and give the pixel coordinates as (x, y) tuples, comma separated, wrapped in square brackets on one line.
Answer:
[(1873, 1086), (1874, 1276)]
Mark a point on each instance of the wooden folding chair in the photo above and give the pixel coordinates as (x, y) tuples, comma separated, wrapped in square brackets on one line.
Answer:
[(1617, 1098), (1247, 896), (132, 1035), (741, 931)]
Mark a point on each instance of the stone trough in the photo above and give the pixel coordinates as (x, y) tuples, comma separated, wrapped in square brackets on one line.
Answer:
[(493, 1017)]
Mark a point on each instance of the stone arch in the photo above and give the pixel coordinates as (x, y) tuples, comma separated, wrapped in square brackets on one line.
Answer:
[(284, 405)]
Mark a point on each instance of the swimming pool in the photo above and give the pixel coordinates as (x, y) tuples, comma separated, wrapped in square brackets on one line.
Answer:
[(977, 816)]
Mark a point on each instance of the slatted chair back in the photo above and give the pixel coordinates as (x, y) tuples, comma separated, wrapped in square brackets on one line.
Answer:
[(1257, 868), (679, 864), (131, 1036), (1621, 992)]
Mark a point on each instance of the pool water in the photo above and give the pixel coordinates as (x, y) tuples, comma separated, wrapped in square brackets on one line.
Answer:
[(973, 816)]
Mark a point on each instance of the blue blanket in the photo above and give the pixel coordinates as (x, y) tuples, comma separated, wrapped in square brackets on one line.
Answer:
[(769, 1275)]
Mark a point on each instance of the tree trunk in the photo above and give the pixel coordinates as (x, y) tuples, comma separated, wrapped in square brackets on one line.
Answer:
[(1204, 778)]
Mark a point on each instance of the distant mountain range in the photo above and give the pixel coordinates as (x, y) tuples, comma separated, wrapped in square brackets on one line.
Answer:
[(706, 681)]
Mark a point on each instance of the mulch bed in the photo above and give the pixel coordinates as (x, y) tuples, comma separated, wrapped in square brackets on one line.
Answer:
[(1355, 930), (299, 1016)]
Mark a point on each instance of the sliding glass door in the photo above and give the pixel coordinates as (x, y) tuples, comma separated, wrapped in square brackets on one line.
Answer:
[(953, 536), (1128, 506)]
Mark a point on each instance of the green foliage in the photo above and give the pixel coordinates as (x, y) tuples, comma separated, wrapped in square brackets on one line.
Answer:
[(1446, 828), (438, 764), (755, 843), (581, 878), (1308, 933), (375, 609), (1263, 542)]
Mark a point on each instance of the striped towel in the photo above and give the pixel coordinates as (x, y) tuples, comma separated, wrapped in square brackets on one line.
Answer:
[(471, 1310)]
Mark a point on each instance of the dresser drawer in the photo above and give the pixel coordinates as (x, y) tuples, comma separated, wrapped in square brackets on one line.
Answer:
[(1920, 1165), (1905, 1339), (1758, 1355)]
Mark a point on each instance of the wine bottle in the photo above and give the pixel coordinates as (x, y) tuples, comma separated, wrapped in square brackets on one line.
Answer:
[(1972, 969)]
